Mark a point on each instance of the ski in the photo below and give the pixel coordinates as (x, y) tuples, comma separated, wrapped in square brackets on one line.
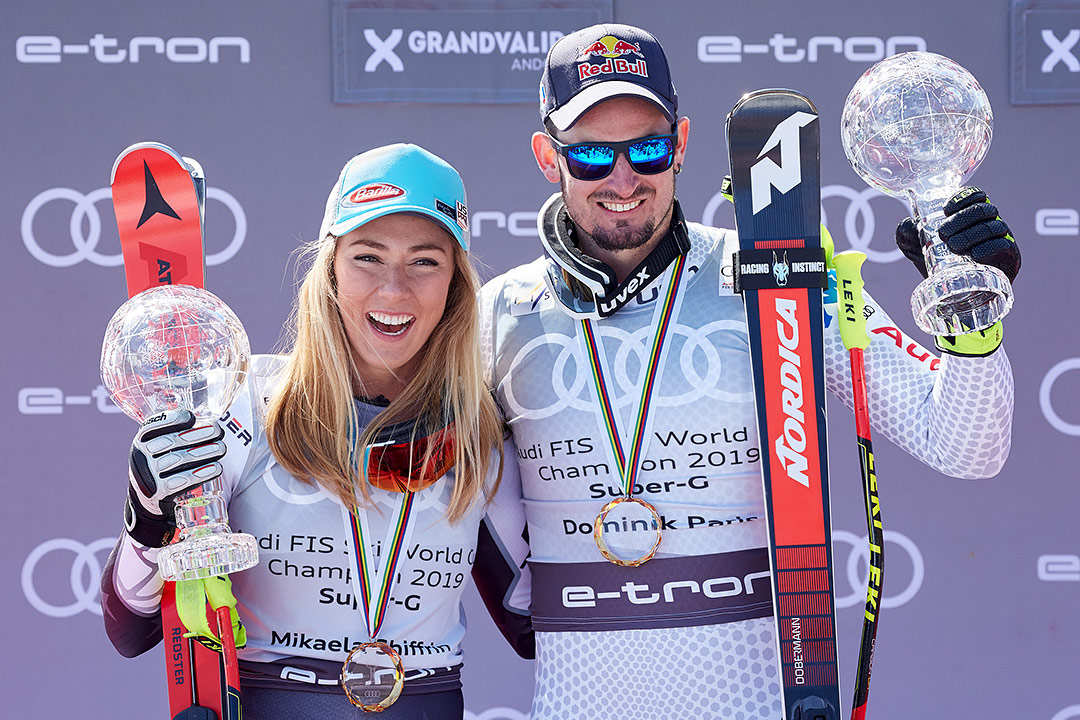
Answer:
[(158, 198), (773, 141)]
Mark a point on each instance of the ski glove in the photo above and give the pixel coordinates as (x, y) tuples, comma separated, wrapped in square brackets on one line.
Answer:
[(170, 454), (972, 227)]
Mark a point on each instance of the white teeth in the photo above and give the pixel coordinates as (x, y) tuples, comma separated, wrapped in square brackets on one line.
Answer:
[(388, 319), (621, 207)]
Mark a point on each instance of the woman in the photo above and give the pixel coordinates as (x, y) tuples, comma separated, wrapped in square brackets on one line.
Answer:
[(348, 469)]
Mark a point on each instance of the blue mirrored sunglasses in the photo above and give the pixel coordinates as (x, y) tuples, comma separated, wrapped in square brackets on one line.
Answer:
[(595, 160)]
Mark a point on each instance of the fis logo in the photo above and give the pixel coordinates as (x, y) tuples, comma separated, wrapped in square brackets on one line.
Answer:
[(609, 46), (766, 174)]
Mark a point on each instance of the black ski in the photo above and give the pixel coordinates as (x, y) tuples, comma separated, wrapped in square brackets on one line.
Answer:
[(773, 140)]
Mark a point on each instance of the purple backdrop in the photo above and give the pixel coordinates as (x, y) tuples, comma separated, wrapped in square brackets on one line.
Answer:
[(984, 577)]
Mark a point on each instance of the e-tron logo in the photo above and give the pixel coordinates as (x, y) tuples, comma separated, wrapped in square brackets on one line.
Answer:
[(85, 239), (84, 576), (1045, 390), (34, 49), (857, 49), (52, 400), (859, 560)]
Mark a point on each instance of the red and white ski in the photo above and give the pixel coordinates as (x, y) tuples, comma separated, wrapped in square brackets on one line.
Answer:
[(158, 199), (773, 141)]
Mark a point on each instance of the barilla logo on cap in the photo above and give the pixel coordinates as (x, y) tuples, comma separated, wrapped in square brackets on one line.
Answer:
[(372, 193), (611, 48)]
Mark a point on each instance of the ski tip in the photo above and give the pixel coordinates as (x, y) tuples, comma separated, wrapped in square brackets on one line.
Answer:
[(755, 95), (137, 147)]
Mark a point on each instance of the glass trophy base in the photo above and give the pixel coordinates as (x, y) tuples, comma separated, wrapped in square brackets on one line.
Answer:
[(961, 298), (203, 556)]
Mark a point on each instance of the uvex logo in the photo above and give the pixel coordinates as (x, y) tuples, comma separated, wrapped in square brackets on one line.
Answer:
[(373, 192), (629, 290), (766, 174), (790, 443)]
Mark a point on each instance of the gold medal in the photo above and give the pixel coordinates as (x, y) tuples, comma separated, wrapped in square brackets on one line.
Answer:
[(631, 536), (372, 676)]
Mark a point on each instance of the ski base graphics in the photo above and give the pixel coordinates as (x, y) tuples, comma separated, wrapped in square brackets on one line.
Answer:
[(158, 199), (773, 140)]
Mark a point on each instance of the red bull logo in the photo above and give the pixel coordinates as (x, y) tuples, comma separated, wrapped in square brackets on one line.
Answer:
[(612, 50), (373, 192), (609, 46)]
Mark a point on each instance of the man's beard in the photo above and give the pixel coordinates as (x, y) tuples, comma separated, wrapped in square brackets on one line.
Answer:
[(618, 238)]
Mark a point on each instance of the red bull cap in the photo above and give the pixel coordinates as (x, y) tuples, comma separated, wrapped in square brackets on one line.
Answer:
[(603, 62)]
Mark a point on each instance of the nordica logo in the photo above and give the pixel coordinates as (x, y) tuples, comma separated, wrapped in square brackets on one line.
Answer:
[(373, 193), (766, 174), (791, 444)]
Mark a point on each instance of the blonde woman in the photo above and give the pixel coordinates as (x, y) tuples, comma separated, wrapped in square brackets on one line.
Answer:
[(369, 452)]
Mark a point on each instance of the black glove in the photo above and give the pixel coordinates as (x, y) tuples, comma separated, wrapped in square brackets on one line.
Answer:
[(973, 228), (169, 455)]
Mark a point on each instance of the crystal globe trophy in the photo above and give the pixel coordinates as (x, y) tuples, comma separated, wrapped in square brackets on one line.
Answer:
[(180, 347), (915, 125)]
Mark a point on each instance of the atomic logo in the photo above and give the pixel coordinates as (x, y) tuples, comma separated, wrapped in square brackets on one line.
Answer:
[(609, 46), (155, 202)]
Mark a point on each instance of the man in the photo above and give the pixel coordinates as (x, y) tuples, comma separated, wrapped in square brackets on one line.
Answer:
[(573, 344)]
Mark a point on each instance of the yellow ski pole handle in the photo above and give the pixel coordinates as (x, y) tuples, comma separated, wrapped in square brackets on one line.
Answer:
[(849, 299)]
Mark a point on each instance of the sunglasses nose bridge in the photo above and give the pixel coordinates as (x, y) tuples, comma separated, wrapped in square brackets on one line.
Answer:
[(623, 174)]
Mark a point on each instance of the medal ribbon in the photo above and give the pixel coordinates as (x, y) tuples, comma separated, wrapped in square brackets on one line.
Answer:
[(374, 580), (663, 316)]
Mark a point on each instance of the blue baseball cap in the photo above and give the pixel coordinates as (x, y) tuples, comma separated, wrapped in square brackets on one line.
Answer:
[(602, 62), (394, 179)]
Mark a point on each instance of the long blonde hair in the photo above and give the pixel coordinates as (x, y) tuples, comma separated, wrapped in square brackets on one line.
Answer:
[(312, 416)]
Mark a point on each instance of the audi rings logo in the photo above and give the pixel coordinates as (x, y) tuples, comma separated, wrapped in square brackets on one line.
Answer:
[(857, 569), (698, 357), (859, 223), (84, 576), (1047, 387), (85, 227)]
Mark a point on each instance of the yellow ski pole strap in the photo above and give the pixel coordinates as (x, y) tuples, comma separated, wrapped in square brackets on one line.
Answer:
[(849, 299), (191, 599)]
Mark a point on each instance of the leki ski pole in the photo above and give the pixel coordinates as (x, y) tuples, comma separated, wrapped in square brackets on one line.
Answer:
[(852, 324)]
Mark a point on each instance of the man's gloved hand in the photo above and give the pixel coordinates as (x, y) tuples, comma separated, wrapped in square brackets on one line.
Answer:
[(170, 454), (972, 227)]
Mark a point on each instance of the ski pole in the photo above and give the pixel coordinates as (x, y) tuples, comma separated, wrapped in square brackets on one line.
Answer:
[(852, 325)]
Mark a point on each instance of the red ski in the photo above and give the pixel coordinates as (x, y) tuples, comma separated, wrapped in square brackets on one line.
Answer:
[(158, 199)]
